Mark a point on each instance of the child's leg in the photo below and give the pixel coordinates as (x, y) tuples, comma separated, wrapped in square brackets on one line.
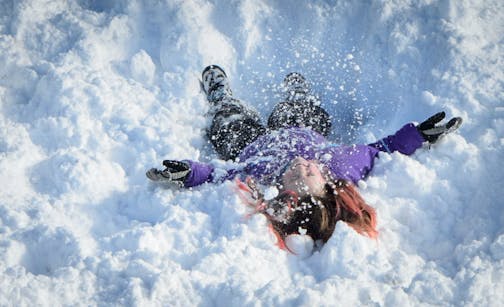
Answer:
[(234, 125), (295, 114), (300, 109)]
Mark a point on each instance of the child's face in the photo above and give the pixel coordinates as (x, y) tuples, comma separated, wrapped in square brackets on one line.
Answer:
[(304, 177)]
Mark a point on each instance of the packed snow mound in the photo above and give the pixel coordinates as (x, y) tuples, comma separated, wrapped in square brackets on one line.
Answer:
[(94, 93)]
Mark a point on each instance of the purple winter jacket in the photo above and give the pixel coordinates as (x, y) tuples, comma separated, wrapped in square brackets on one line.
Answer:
[(267, 157)]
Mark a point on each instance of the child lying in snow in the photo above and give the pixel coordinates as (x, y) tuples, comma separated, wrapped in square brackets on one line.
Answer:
[(314, 179)]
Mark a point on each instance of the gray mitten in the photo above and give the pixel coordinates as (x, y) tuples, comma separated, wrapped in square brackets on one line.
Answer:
[(175, 171), (431, 132)]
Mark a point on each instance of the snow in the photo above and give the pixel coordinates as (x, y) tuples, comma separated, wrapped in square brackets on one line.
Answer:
[(94, 93), (300, 244)]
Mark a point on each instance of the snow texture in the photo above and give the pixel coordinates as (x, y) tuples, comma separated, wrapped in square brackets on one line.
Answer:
[(93, 93)]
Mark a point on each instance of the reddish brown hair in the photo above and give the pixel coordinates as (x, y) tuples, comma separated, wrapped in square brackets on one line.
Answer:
[(317, 215), (356, 212)]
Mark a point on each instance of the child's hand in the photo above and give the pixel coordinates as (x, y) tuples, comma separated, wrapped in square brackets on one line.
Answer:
[(431, 133), (175, 171)]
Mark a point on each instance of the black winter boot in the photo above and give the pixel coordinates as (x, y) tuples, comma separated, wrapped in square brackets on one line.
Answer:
[(215, 83), (234, 124), (300, 108)]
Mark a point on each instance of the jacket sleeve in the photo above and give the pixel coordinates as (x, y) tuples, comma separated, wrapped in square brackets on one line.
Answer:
[(351, 163), (200, 173), (406, 140), (354, 162), (205, 172)]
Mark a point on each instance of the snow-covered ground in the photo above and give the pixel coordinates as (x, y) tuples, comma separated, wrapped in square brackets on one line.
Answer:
[(95, 92)]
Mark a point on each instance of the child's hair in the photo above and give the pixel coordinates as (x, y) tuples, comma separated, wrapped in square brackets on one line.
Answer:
[(312, 215)]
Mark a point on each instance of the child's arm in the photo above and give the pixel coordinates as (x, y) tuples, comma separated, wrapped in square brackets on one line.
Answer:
[(199, 174), (186, 173), (410, 137), (406, 140), (355, 162)]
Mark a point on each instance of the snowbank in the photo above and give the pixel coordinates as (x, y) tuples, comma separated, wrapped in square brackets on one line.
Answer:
[(93, 93)]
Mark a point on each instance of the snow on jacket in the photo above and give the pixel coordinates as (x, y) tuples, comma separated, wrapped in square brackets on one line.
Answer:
[(267, 157)]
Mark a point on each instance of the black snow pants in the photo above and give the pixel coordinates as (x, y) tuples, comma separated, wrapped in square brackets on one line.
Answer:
[(235, 125)]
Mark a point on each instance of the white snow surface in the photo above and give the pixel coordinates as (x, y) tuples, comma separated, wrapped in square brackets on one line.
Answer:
[(95, 92)]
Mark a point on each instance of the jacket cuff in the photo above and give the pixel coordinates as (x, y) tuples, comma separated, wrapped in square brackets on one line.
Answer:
[(200, 173)]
